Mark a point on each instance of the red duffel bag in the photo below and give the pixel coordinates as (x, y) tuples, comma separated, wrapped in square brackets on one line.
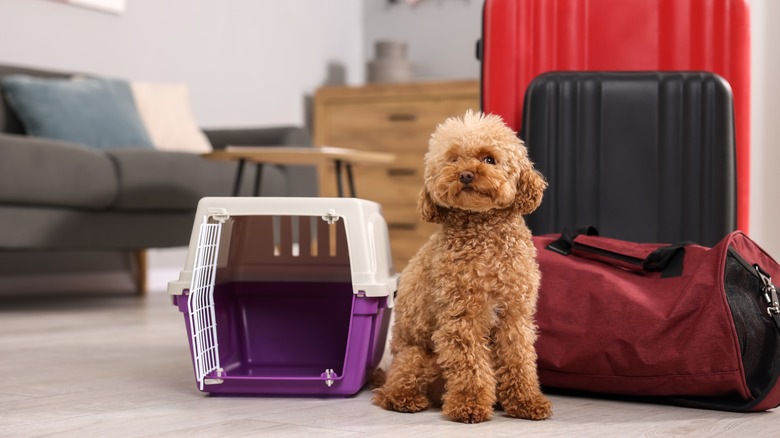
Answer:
[(684, 324)]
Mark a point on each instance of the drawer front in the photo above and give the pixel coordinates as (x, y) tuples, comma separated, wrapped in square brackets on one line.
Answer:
[(396, 183), (389, 190), (403, 217), (389, 126)]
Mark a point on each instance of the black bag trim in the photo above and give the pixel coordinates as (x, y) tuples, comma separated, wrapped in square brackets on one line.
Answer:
[(565, 243), (667, 259)]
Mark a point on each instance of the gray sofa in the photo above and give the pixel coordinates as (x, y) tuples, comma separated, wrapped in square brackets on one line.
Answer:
[(65, 207)]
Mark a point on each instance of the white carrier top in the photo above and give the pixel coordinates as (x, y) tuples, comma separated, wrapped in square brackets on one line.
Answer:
[(370, 263)]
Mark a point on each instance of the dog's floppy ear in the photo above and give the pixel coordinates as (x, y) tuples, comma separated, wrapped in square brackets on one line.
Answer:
[(428, 209), (530, 188)]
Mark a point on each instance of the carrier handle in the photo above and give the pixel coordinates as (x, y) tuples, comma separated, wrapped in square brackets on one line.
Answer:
[(636, 257)]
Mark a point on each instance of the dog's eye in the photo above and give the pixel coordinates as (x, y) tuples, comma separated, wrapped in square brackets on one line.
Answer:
[(489, 160)]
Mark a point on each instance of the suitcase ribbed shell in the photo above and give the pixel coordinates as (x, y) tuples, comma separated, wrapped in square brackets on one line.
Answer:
[(647, 157)]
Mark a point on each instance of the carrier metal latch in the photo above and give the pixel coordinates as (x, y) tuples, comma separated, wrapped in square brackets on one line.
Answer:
[(770, 293), (217, 380), (330, 217), (218, 214), (328, 375)]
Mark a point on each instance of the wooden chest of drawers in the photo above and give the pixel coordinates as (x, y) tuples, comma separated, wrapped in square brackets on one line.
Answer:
[(390, 118)]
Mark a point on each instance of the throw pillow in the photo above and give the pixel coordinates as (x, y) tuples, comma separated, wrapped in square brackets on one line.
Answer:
[(167, 114), (96, 112)]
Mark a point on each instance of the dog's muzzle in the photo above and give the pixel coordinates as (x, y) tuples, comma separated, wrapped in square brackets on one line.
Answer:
[(466, 177)]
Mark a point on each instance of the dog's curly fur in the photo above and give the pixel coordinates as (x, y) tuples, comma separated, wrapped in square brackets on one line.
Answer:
[(466, 301)]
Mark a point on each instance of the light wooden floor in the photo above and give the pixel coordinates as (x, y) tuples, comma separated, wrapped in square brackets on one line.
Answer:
[(118, 366)]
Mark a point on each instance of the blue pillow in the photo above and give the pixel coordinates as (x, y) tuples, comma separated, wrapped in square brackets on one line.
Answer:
[(96, 112)]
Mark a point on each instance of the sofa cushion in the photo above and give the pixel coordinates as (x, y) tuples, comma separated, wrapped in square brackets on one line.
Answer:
[(69, 229), (9, 123), (166, 112), (43, 172), (96, 112), (168, 181)]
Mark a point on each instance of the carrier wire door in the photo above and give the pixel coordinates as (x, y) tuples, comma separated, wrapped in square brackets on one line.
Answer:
[(205, 347)]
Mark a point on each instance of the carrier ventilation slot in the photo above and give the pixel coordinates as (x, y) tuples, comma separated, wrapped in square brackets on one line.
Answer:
[(283, 232), (205, 349), (293, 248)]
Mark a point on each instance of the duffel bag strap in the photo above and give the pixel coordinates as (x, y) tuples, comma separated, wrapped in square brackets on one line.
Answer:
[(637, 257), (564, 243)]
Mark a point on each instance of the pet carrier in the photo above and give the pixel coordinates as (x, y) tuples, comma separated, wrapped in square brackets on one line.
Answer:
[(286, 295)]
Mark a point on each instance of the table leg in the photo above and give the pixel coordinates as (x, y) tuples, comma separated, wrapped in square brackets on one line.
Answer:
[(239, 175), (350, 180), (258, 177), (339, 184)]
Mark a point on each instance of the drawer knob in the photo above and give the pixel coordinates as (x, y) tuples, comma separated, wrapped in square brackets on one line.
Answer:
[(402, 117)]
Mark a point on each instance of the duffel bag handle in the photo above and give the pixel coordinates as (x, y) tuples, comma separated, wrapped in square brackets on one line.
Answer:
[(637, 257)]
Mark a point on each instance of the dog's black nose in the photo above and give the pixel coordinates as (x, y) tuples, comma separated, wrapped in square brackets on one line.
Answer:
[(466, 177)]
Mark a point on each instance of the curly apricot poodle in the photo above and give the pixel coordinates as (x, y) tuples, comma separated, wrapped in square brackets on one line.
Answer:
[(466, 302)]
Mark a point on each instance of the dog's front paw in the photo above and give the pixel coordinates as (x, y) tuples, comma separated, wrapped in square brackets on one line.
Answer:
[(534, 408), (467, 411), (401, 402)]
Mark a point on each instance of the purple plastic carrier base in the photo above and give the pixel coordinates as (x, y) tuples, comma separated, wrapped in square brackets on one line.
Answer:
[(294, 338)]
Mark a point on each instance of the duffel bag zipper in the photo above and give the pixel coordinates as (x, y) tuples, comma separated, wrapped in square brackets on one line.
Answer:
[(767, 288), (770, 292)]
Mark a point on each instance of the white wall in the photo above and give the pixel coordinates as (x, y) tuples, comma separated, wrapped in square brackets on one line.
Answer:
[(247, 62), (441, 34), (765, 120)]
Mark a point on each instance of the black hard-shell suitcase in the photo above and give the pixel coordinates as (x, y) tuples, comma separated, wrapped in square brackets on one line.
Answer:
[(642, 156)]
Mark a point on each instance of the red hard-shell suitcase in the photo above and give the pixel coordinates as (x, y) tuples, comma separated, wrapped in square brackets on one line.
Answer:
[(524, 38)]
